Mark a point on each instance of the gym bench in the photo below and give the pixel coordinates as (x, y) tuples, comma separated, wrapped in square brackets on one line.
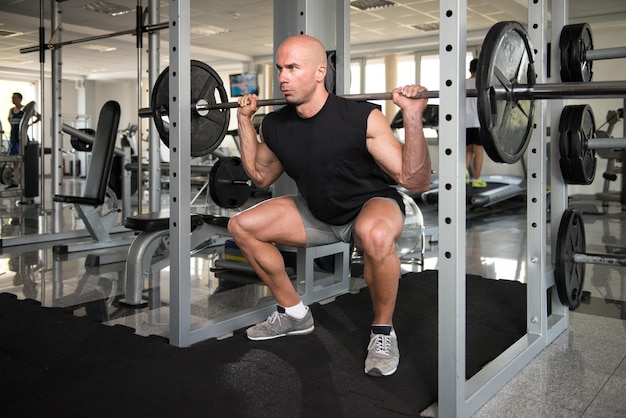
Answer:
[(89, 205), (207, 230)]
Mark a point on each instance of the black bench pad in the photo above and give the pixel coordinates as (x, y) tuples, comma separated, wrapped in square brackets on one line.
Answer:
[(156, 221)]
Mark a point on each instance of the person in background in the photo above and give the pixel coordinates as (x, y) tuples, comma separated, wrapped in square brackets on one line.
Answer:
[(338, 151), (15, 118), (474, 148)]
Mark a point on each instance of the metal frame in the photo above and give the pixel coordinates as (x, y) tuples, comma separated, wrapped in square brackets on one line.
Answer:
[(457, 397), (181, 332)]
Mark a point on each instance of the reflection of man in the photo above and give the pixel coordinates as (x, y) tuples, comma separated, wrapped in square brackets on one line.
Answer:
[(474, 149)]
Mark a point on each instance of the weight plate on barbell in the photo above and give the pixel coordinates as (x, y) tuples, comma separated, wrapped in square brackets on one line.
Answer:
[(229, 185), (207, 132), (569, 275), (577, 127), (505, 62), (574, 42)]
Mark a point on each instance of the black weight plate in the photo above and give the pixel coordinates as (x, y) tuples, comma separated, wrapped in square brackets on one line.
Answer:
[(574, 42), (565, 46), (565, 132), (566, 170), (505, 62), (229, 185), (587, 131), (570, 276), (207, 132), (577, 126)]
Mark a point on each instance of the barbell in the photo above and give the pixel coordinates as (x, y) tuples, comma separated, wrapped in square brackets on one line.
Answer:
[(229, 185), (505, 91), (577, 53), (571, 258)]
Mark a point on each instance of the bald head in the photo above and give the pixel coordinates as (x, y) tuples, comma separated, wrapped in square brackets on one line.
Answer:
[(306, 47)]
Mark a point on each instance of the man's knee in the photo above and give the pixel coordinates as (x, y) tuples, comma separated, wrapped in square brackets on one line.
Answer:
[(236, 226), (376, 240)]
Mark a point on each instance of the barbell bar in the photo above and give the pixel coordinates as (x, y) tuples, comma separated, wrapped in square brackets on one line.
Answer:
[(605, 89), (505, 89), (571, 258)]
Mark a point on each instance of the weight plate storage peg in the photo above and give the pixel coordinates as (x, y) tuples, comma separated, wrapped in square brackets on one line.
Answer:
[(578, 162), (569, 275), (229, 185), (506, 121), (207, 128)]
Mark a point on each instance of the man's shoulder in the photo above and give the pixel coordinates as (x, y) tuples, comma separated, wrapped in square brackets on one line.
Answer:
[(352, 104)]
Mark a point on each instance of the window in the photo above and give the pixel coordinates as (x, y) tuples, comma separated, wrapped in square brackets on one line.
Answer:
[(355, 77), (406, 70), (375, 77)]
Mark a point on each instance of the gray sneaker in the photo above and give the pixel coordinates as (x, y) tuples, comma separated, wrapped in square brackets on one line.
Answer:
[(383, 355), (279, 324)]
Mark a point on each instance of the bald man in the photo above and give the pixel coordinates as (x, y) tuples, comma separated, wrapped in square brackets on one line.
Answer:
[(338, 152)]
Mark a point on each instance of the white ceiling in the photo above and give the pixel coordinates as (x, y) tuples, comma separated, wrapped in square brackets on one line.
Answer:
[(248, 31)]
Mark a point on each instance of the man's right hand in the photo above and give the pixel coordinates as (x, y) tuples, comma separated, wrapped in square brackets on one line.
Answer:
[(247, 105)]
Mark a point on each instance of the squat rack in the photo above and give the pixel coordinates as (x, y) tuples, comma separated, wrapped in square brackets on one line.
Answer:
[(457, 397)]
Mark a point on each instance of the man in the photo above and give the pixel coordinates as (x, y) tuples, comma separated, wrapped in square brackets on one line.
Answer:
[(474, 148), (336, 151), (15, 118)]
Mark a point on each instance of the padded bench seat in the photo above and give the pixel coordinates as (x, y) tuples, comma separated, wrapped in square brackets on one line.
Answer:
[(156, 221)]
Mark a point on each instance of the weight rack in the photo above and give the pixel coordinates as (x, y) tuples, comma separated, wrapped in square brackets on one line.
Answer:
[(457, 397)]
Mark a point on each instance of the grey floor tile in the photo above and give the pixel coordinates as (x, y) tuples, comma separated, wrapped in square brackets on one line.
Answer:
[(550, 382), (621, 370), (611, 401), (505, 404)]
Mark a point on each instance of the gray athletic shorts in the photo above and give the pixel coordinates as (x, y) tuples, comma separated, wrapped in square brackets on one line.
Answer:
[(319, 232)]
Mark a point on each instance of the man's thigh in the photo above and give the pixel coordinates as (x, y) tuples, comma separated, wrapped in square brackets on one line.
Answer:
[(274, 220)]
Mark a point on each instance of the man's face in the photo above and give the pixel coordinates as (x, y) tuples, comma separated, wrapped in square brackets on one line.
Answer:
[(295, 74)]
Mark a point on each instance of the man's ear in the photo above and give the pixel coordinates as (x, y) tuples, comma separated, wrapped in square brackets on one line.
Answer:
[(321, 73)]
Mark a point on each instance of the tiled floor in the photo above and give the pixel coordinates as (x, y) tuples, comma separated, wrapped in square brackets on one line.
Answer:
[(581, 374)]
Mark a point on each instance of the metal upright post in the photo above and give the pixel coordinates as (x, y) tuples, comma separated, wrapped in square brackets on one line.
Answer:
[(539, 279), (57, 118), (558, 187), (180, 175), (451, 285), (154, 174)]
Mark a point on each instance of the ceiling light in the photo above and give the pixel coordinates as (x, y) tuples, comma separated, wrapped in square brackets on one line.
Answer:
[(98, 48), (107, 8), (7, 33), (207, 30), (17, 60), (371, 4)]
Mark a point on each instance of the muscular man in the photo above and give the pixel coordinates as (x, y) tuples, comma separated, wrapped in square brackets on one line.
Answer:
[(336, 150)]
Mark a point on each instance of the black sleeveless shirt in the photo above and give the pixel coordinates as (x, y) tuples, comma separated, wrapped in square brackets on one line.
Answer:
[(326, 155)]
